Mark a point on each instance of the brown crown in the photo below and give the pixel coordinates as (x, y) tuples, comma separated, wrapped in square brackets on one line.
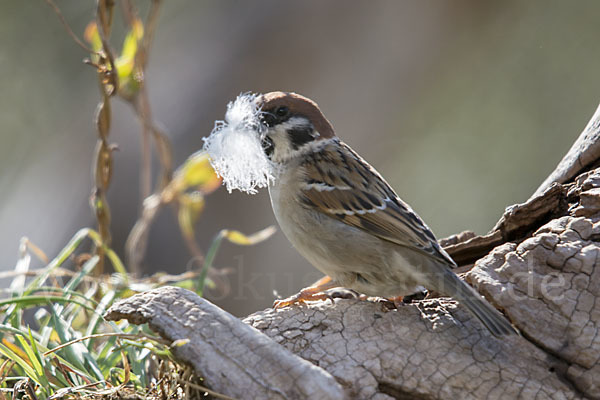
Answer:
[(298, 105)]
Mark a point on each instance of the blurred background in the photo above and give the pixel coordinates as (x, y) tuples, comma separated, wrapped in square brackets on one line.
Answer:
[(464, 107)]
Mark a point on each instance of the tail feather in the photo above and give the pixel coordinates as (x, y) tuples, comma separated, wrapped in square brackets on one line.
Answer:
[(495, 322)]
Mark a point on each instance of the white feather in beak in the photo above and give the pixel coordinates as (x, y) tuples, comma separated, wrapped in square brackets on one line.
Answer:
[(235, 149)]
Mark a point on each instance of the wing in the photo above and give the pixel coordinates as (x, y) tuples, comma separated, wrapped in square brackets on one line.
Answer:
[(340, 184)]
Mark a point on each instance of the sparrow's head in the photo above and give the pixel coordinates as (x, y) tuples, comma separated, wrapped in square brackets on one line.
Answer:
[(293, 125)]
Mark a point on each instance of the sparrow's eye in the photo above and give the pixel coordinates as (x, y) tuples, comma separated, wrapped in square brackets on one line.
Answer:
[(275, 116), (282, 111)]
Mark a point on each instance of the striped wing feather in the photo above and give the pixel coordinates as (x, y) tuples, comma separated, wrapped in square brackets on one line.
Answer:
[(340, 184)]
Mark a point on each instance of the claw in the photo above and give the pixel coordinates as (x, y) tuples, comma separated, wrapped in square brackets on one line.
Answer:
[(313, 293)]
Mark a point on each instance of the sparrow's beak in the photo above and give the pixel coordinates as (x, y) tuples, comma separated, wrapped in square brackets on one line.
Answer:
[(266, 120), (263, 116)]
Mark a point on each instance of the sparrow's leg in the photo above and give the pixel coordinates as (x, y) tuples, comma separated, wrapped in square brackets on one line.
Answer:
[(311, 293)]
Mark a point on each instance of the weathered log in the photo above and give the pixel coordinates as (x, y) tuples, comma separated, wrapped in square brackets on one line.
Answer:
[(539, 265), (583, 156), (517, 223), (234, 358)]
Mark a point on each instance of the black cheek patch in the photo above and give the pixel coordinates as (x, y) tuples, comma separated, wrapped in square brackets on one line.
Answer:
[(268, 147), (300, 136)]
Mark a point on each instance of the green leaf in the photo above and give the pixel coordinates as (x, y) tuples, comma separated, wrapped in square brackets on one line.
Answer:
[(129, 81), (190, 208), (74, 353), (88, 266), (197, 172), (117, 263), (97, 316), (92, 36), (235, 237), (28, 369), (41, 300), (112, 256), (240, 239), (35, 361), (130, 44), (60, 259)]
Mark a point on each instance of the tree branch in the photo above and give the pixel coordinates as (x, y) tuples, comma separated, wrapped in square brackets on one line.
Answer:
[(235, 359), (583, 156)]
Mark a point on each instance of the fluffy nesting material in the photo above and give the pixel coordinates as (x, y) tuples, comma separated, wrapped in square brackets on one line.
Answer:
[(235, 150)]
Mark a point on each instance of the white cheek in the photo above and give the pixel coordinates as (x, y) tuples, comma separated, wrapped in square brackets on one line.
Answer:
[(283, 149), (281, 143)]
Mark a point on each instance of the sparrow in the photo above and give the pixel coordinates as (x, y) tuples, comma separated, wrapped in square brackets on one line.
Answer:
[(346, 220)]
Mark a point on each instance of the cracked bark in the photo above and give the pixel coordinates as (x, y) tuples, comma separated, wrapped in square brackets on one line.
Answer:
[(234, 358), (539, 264)]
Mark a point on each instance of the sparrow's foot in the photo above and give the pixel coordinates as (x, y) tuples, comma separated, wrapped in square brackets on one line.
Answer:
[(312, 293), (391, 303), (301, 297)]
